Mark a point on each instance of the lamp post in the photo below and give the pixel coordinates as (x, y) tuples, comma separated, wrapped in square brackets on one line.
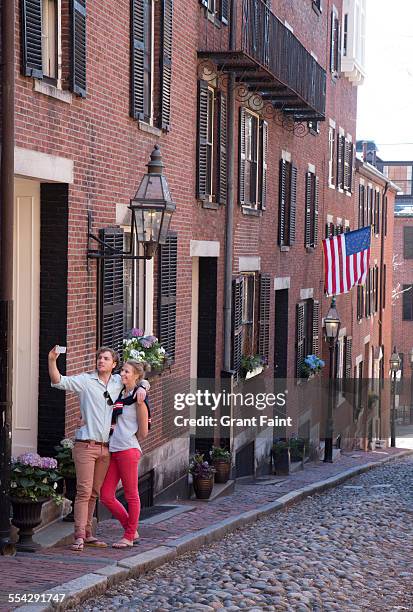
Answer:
[(332, 325), (395, 362), (411, 387)]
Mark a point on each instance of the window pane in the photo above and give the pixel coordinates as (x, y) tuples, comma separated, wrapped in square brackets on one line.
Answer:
[(49, 38), (128, 284)]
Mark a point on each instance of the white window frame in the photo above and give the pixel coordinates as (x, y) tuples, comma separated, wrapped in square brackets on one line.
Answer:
[(56, 80), (332, 146)]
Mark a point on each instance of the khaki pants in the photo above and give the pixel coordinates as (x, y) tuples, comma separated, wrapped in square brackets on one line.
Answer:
[(92, 463)]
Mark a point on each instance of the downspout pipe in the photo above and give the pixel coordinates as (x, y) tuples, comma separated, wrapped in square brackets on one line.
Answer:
[(384, 221), (6, 266), (229, 211)]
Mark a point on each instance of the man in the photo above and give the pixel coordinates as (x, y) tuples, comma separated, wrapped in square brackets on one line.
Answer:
[(97, 392)]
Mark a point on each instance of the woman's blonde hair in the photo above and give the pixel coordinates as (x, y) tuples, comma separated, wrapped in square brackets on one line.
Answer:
[(138, 367)]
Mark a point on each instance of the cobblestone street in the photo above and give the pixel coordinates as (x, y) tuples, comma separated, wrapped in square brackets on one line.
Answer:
[(349, 549)]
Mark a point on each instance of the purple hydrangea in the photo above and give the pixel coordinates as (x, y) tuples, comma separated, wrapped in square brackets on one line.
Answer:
[(146, 343), (136, 332), (48, 463), (31, 459)]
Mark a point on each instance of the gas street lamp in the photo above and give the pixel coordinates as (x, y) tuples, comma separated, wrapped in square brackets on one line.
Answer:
[(395, 363), (332, 324)]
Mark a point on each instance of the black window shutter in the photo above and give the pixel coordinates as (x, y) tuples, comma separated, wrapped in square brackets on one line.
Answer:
[(346, 175), (242, 155), (222, 149), (78, 15), (32, 38), (293, 204), (236, 357), (408, 242), (383, 287), (137, 59), (333, 42), (282, 202), (378, 212), (308, 197), (407, 302), (316, 208), (348, 347), (202, 139), (263, 165), (316, 328), (264, 317), (384, 226), (112, 306), (299, 335), (224, 10), (168, 267), (361, 206), (166, 63), (340, 161)]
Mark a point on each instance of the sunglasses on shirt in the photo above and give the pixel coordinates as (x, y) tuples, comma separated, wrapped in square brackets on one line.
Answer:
[(108, 398)]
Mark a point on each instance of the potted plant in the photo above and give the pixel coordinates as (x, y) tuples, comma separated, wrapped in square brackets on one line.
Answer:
[(221, 461), (203, 476), (67, 471), (312, 365), (281, 457), (297, 449), (34, 480), (251, 364), (146, 349)]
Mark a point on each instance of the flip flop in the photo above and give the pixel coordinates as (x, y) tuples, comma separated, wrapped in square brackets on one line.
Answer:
[(77, 545), (122, 544), (95, 543)]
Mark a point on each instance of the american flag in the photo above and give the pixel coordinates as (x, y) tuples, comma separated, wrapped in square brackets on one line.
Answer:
[(346, 260)]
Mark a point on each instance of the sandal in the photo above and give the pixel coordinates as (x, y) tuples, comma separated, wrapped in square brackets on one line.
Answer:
[(77, 545), (95, 543), (123, 543)]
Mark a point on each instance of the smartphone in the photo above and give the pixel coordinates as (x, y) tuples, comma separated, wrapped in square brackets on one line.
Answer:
[(60, 349)]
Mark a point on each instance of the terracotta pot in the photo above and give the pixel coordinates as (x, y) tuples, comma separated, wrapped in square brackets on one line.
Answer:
[(27, 516), (70, 494), (223, 469), (203, 487), (282, 462)]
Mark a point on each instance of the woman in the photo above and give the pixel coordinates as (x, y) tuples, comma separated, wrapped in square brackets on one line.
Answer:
[(131, 427)]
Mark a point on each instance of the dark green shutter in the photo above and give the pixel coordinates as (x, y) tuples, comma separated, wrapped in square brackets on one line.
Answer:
[(407, 302), (137, 59), (78, 15), (264, 317), (263, 164), (166, 63), (340, 161), (361, 206), (316, 209), (112, 311), (308, 198), (237, 291), (282, 202), (316, 328), (32, 38), (348, 348), (293, 204), (408, 242), (222, 149), (332, 42), (242, 156), (299, 335), (168, 268), (202, 140), (223, 13)]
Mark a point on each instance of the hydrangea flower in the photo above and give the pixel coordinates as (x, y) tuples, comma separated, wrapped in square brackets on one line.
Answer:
[(67, 443), (31, 459), (136, 332), (48, 463)]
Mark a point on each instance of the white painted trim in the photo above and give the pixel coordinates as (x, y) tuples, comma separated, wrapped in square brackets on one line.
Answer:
[(314, 56), (52, 91), (282, 282), (349, 137), (332, 123), (359, 359), (339, 220), (42, 166), (361, 181), (204, 248), (330, 219), (342, 332), (149, 288), (249, 263), (311, 168), (288, 26), (367, 339), (194, 318), (286, 156), (306, 294), (346, 223), (341, 131), (123, 215)]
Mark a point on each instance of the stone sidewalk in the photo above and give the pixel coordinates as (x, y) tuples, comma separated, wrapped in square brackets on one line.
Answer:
[(79, 575)]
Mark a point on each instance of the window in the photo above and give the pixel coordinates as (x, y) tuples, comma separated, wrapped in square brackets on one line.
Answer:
[(253, 146), (335, 44), (248, 302), (408, 242), (361, 213), (50, 39), (318, 6), (407, 302), (216, 9), (287, 203), (331, 156), (402, 176), (341, 142), (377, 206), (307, 332), (360, 302), (354, 34), (311, 210), (145, 54), (211, 145), (168, 272), (313, 127)]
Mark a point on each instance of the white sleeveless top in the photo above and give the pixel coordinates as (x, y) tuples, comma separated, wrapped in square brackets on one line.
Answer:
[(124, 438)]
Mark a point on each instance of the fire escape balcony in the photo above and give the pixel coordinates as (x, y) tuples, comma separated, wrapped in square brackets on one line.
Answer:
[(269, 59)]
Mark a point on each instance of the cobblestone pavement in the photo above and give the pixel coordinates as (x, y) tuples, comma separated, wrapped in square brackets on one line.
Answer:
[(349, 549)]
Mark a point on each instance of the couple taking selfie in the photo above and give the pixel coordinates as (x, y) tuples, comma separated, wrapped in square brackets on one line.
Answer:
[(107, 450)]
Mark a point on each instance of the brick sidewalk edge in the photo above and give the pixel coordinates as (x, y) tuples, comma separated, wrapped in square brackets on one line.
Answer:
[(96, 583)]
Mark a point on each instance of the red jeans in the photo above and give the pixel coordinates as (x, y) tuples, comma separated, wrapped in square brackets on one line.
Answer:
[(123, 466)]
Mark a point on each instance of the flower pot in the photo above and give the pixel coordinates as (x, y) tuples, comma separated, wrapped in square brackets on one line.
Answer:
[(27, 516), (223, 469), (70, 494), (282, 462), (203, 487)]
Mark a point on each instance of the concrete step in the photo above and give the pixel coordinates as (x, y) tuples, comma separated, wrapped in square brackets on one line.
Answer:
[(218, 491)]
